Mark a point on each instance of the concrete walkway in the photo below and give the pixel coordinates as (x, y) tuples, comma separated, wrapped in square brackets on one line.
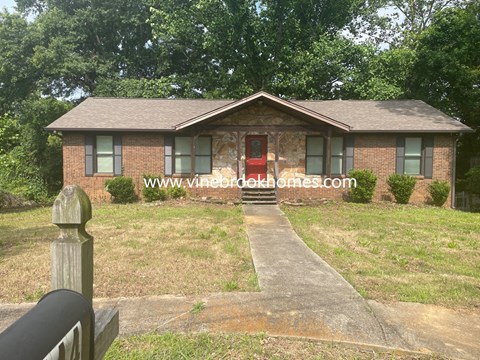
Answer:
[(301, 295), (289, 269)]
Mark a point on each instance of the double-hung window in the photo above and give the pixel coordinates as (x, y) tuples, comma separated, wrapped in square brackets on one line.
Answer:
[(203, 155), (104, 155), (315, 158), (413, 156), (336, 155), (183, 155)]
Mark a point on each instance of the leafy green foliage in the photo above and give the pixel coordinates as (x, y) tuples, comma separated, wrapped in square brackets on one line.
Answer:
[(122, 189), (401, 186), (439, 191), (17, 73), (9, 133), (177, 192), (366, 182), (154, 193), (473, 180), (387, 75), (447, 71)]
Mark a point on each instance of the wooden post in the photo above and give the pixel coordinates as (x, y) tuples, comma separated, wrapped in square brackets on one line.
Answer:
[(192, 156), (328, 154), (277, 155), (239, 156), (72, 252)]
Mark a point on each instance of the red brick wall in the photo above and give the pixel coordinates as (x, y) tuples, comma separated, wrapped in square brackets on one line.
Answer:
[(143, 153), (377, 152)]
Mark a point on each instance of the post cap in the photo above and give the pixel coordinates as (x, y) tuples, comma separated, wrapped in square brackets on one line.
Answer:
[(72, 206)]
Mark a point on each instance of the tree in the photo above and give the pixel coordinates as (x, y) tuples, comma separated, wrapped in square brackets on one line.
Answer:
[(17, 73), (387, 75), (80, 41), (233, 48), (447, 71), (399, 22)]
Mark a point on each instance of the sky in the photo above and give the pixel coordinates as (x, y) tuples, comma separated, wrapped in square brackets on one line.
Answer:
[(7, 3)]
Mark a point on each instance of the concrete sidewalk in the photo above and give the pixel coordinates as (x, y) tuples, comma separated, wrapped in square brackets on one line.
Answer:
[(301, 295), (288, 268)]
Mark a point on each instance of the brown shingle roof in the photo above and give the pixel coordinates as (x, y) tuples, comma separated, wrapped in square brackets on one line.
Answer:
[(133, 114), (387, 115), (164, 115)]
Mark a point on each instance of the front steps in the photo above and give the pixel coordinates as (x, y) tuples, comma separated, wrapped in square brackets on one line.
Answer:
[(259, 196)]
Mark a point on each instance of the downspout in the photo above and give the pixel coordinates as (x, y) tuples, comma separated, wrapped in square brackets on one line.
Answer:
[(454, 171)]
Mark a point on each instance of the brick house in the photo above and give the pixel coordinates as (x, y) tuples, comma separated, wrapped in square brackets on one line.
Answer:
[(259, 137)]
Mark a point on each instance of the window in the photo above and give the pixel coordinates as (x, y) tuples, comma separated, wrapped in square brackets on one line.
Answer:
[(203, 155), (337, 155), (413, 156), (104, 157), (315, 155), (183, 160), (183, 155)]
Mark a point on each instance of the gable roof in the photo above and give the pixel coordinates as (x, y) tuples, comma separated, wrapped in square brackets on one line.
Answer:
[(120, 114), (273, 101)]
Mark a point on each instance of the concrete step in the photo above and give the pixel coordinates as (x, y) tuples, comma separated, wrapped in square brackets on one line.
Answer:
[(259, 202), (259, 196), (254, 196)]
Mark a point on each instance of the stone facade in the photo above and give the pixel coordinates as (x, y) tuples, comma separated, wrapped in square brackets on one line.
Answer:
[(143, 153)]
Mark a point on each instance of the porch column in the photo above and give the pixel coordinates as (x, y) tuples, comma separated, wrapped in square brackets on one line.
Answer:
[(239, 155), (192, 156), (276, 136), (328, 152)]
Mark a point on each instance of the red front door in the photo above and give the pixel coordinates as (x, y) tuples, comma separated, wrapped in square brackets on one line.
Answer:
[(256, 157)]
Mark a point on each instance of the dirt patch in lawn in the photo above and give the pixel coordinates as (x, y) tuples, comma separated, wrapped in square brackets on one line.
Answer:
[(173, 248)]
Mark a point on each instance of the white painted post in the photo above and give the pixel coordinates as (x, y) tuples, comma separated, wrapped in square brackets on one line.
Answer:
[(72, 252)]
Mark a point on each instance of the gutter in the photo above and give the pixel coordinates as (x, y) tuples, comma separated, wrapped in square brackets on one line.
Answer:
[(454, 172)]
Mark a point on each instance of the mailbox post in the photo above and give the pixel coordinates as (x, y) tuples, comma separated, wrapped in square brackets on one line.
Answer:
[(63, 324), (72, 252)]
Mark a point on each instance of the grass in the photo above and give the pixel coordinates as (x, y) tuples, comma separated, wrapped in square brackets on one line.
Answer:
[(179, 248), (237, 346), (198, 307), (398, 253)]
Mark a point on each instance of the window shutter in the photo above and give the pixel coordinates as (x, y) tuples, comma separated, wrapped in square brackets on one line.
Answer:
[(349, 151), (117, 155), (168, 151), (400, 155), (89, 139), (428, 157)]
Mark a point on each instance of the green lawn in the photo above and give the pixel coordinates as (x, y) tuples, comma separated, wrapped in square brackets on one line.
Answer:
[(397, 253), (174, 248), (236, 346)]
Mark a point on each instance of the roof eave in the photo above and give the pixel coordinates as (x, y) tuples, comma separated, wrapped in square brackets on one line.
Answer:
[(414, 131), (108, 130)]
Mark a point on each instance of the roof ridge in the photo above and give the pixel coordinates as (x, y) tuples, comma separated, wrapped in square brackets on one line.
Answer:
[(138, 98)]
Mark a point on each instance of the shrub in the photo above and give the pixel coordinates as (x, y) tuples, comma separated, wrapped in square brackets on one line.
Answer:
[(153, 193), (439, 191), (401, 186), (177, 192), (122, 189), (366, 182), (473, 180)]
